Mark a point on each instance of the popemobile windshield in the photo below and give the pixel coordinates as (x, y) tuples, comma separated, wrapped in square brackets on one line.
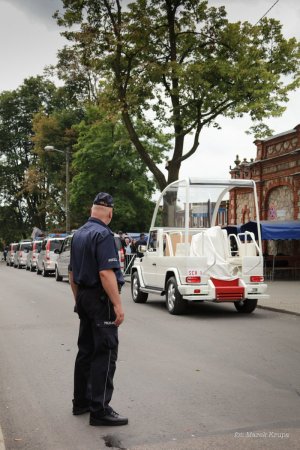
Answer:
[(194, 255)]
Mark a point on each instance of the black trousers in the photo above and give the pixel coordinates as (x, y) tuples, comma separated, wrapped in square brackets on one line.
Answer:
[(95, 363)]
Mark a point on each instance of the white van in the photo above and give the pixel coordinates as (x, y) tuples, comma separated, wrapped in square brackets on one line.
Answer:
[(47, 256), (11, 253), (33, 255), (63, 260), (22, 253)]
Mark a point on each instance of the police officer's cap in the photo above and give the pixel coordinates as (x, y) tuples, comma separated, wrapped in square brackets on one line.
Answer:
[(104, 199)]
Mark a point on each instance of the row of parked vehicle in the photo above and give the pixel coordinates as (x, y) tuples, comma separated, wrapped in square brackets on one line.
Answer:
[(45, 256), (48, 255)]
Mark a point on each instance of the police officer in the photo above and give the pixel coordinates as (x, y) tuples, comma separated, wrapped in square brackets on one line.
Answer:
[(96, 281)]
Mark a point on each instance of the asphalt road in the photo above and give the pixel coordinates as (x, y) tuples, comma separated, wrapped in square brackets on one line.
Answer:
[(208, 380)]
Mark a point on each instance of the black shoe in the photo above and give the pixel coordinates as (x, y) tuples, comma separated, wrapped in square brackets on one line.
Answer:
[(80, 409), (111, 418)]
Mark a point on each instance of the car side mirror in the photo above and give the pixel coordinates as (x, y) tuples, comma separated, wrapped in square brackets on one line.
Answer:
[(142, 248)]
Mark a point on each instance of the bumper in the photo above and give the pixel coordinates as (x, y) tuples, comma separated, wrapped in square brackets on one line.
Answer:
[(50, 266), (209, 292)]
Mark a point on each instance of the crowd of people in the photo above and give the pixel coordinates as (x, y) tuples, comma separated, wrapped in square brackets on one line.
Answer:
[(130, 245)]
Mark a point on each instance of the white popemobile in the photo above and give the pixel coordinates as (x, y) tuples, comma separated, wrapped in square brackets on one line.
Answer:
[(190, 257)]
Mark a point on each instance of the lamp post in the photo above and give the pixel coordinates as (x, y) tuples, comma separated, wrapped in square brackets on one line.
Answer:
[(51, 148)]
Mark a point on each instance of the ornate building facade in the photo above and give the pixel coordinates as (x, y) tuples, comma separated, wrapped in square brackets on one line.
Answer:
[(276, 171)]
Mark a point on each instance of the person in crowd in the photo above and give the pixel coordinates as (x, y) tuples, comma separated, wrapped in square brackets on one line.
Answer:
[(5, 251), (96, 280), (128, 246), (122, 238), (129, 252), (133, 246)]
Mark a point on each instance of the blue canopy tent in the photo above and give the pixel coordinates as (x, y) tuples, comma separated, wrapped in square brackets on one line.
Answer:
[(274, 230)]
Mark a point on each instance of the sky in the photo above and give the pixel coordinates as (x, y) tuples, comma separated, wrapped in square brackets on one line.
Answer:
[(30, 38)]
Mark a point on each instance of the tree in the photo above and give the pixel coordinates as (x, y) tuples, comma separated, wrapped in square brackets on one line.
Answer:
[(178, 65), (31, 186), (105, 160), (48, 173), (17, 108)]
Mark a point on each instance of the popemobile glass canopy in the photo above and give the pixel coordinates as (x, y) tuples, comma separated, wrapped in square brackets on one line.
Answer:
[(192, 203)]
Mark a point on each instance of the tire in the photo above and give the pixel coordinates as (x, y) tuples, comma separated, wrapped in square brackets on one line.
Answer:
[(137, 295), (38, 271), (44, 272), (174, 301), (27, 267), (19, 266), (32, 269), (57, 276), (246, 306)]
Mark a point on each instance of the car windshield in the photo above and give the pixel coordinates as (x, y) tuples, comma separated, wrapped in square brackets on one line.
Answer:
[(37, 246), (55, 244), (26, 246), (196, 204)]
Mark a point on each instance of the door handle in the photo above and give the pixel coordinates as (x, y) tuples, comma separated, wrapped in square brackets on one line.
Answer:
[(153, 264)]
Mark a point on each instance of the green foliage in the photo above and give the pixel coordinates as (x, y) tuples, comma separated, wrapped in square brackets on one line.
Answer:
[(179, 64), (104, 160), (16, 112), (32, 186)]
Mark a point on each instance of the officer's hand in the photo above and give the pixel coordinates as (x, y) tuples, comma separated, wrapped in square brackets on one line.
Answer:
[(119, 314)]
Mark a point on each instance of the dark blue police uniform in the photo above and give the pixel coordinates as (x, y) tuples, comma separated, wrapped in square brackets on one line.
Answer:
[(93, 249)]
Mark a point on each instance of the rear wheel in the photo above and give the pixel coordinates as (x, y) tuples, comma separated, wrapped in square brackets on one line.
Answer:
[(57, 276), (174, 301), (44, 272), (246, 306), (137, 295)]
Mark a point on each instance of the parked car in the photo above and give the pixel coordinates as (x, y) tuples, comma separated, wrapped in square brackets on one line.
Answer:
[(47, 257), (22, 252), (11, 253), (63, 259), (64, 254), (33, 255)]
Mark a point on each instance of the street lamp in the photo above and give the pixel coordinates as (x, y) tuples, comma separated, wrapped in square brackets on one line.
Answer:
[(51, 148)]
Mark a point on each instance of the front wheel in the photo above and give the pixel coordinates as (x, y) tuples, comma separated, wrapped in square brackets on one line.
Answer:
[(174, 301), (44, 272), (246, 306), (137, 295)]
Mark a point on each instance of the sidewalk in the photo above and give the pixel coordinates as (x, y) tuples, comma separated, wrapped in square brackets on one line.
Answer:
[(284, 296)]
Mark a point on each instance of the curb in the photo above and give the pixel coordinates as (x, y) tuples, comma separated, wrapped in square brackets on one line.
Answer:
[(284, 311)]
